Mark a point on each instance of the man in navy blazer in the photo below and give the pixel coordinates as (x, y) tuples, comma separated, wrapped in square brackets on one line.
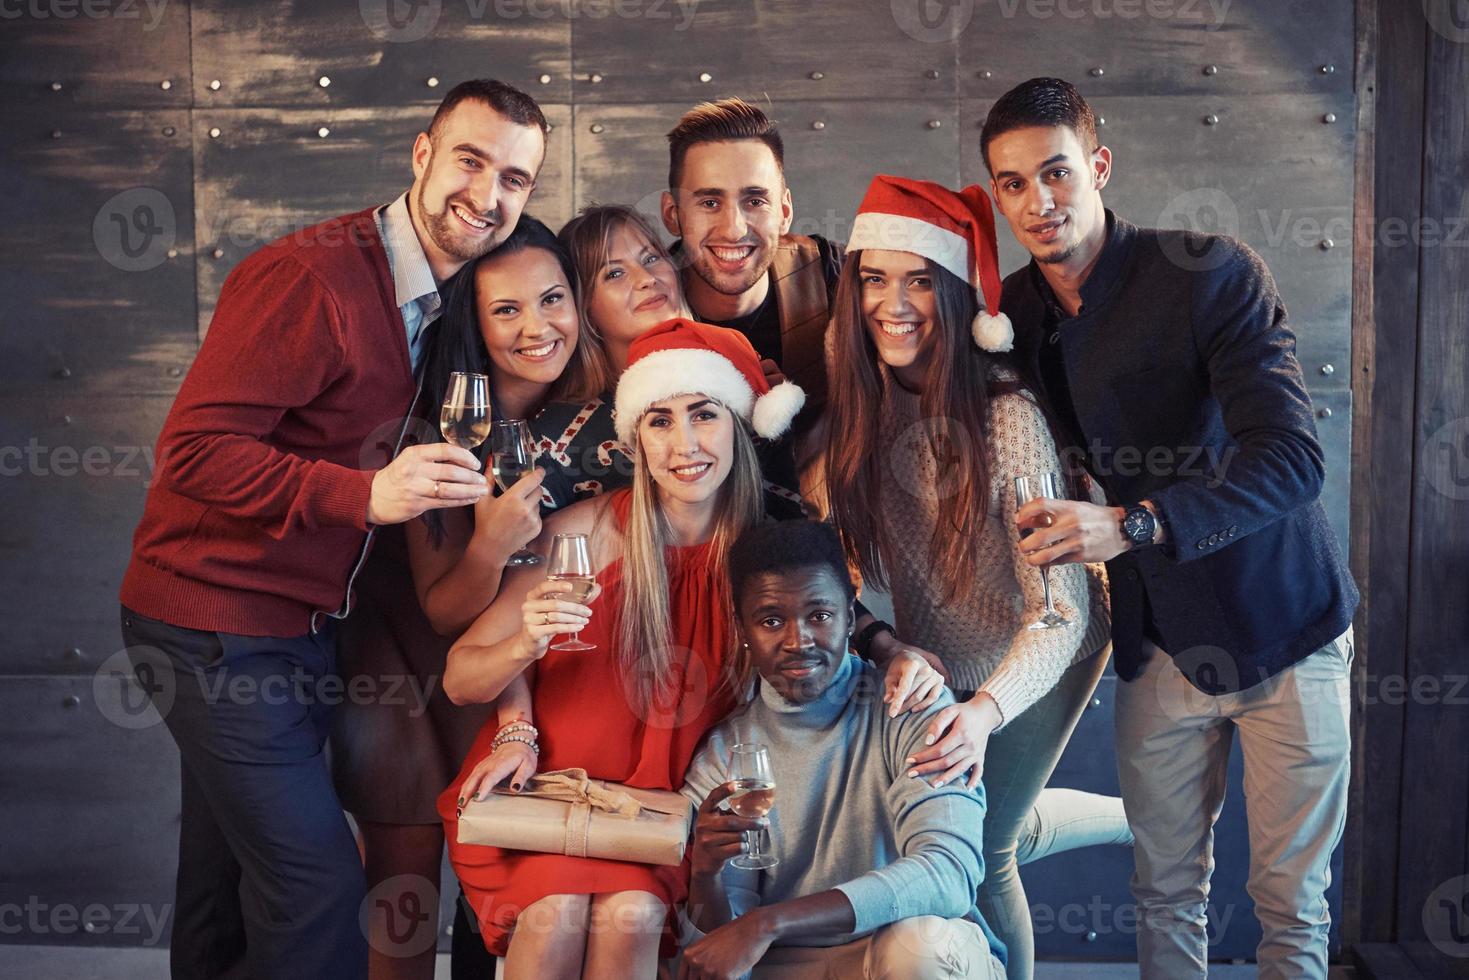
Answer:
[(1170, 367)]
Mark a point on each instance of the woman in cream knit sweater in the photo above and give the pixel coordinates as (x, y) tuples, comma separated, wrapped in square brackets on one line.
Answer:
[(927, 427)]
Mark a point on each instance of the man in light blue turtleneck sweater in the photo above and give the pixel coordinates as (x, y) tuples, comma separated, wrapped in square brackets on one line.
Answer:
[(877, 869)]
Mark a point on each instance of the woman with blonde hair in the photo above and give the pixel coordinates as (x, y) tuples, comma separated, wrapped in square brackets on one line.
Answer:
[(664, 667)]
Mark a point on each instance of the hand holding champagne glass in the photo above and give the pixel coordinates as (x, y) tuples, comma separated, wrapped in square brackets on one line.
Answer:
[(1038, 486), (753, 796), (512, 456), (571, 565)]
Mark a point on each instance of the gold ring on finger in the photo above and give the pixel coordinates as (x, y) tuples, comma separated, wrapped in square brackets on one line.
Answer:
[(436, 488)]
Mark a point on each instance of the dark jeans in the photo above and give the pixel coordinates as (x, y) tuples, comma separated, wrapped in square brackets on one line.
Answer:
[(269, 881)]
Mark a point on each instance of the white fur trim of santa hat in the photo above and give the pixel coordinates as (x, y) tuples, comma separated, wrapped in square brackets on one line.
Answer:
[(687, 371)]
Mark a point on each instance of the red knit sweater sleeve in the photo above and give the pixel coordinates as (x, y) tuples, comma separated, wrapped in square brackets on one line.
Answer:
[(274, 345)]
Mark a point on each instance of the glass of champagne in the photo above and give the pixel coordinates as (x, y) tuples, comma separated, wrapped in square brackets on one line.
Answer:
[(753, 796), (512, 456), (464, 418), (1038, 486), (571, 565)]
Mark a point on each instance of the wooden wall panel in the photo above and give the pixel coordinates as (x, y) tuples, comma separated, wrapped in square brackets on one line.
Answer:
[(374, 52), (244, 201), (99, 214), (76, 464), (759, 50)]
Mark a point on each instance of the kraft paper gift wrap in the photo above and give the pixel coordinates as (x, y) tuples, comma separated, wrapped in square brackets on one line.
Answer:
[(566, 812)]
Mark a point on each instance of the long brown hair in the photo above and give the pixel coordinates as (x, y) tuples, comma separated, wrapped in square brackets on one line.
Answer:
[(954, 404), (643, 630)]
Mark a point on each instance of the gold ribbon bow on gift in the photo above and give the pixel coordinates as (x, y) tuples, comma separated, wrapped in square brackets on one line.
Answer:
[(584, 794)]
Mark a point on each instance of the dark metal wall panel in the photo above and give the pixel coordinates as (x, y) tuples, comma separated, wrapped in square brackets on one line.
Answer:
[(64, 54), (622, 155), (693, 50), (1219, 48), (99, 215), (264, 173), (89, 799), (374, 52), (74, 469)]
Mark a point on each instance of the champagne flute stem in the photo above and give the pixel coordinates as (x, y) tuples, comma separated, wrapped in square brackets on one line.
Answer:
[(752, 843), (1046, 585)]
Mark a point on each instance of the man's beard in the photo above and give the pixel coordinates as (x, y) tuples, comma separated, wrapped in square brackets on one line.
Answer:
[(1057, 257), (440, 228)]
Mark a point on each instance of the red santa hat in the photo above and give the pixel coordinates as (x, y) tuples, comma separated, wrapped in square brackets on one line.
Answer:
[(955, 230), (684, 357)]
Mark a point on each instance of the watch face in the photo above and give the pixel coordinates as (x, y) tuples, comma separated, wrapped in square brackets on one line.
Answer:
[(1138, 525)]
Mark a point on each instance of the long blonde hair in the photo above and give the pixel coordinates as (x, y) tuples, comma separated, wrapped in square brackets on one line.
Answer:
[(644, 628)]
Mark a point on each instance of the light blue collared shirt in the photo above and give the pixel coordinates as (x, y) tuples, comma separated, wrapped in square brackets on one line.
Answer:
[(413, 280)]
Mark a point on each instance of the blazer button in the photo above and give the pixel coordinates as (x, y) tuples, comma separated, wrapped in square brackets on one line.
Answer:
[(1201, 545), (1232, 529), (1214, 538), (1132, 574)]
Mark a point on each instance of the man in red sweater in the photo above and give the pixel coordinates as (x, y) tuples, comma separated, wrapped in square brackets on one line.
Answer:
[(279, 457)]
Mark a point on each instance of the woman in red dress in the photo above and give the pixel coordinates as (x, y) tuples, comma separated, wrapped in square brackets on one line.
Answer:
[(664, 671)]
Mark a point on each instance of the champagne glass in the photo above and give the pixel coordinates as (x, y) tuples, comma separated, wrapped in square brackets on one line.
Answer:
[(753, 796), (1038, 486), (571, 564), (512, 456), (464, 418)]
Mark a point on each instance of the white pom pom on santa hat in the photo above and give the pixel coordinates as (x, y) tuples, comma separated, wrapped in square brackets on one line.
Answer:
[(776, 410), (993, 332)]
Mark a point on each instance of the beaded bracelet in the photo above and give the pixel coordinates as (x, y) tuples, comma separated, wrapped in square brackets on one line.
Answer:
[(518, 726), (515, 737)]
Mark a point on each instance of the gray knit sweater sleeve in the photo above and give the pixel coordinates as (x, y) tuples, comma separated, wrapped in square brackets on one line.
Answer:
[(938, 833)]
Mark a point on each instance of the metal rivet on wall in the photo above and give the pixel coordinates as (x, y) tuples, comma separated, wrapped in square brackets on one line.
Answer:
[(818, 124), (1211, 69), (986, 74), (56, 134), (70, 701), (165, 85), (73, 653), (935, 123), (594, 78), (816, 76), (705, 77), (1091, 936), (173, 253), (66, 420), (217, 253), (1328, 69), (1327, 243), (1211, 120), (544, 79), (598, 127), (214, 132), (323, 81), (175, 372), (63, 373), (1328, 369), (1323, 412), (323, 132), (432, 81), (169, 131), (931, 73), (1101, 120), (56, 86), (214, 85), (1097, 72), (1329, 118)]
